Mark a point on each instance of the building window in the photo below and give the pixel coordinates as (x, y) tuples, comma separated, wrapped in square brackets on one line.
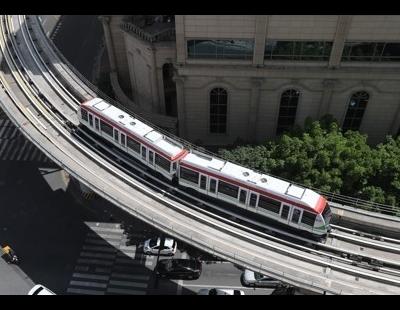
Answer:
[(218, 110), (297, 50), (220, 49), (371, 51), (355, 111), (287, 110)]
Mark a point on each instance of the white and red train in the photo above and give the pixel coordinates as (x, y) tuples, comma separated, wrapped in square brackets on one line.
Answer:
[(298, 207)]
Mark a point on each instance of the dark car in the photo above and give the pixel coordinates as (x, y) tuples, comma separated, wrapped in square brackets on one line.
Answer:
[(179, 268), (284, 290)]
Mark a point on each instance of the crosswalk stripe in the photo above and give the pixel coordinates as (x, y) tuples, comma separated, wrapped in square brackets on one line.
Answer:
[(100, 248), (106, 229), (6, 133), (129, 261), (103, 242), (128, 248), (14, 133), (84, 291), (103, 270), (128, 276), (94, 261), (4, 143), (3, 129), (125, 291), (28, 151), (90, 276), (82, 268), (21, 151), (9, 149), (130, 254), (128, 283), (16, 148), (104, 236), (97, 255), (32, 157), (87, 284)]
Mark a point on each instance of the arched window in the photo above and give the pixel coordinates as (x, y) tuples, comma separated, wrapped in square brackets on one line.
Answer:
[(218, 110), (287, 110), (355, 111)]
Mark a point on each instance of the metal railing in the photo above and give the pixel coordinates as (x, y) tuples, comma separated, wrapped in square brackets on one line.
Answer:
[(333, 197)]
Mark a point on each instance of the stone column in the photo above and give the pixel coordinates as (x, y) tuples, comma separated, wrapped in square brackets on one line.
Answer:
[(180, 39), (180, 100), (160, 80), (154, 81), (259, 39), (342, 29), (253, 108), (105, 20), (325, 103)]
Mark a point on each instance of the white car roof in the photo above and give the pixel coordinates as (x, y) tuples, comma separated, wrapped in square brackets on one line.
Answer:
[(135, 126), (252, 178), (44, 290)]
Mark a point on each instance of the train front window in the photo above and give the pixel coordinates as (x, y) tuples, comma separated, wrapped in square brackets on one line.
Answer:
[(327, 214)]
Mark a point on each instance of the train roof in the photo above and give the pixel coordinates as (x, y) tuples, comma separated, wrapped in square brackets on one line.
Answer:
[(136, 127), (255, 179)]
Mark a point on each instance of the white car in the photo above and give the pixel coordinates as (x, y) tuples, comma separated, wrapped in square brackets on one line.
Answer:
[(254, 279), (219, 291), (40, 290), (152, 246)]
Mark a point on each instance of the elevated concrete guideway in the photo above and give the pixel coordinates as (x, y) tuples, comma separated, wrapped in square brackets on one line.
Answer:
[(24, 107)]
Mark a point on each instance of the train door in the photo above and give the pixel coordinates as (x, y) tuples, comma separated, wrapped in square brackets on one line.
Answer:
[(144, 153), (116, 136), (243, 196), (212, 187), (151, 158), (253, 201), (96, 123), (285, 213), (203, 182), (295, 217), (123, 139)]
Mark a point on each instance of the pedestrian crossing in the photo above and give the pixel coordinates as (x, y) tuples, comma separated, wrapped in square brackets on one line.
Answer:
[(107, 266), (15, 147)]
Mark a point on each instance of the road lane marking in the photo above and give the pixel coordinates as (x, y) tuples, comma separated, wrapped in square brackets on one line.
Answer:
[(90, 276), (125, 291), (128, 283)]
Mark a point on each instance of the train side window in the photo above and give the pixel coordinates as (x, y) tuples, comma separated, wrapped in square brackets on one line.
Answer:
[(203, 182), (116, 135), (253, 200), (123, 139), (151, 157), (285, 212), (96, 123), (91, 120), (243, 196), (84, 114), (213, 185), (296, 215), (144, 152), (308, 218)]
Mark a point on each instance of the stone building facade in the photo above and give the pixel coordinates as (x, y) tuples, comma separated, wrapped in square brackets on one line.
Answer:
[(253, 76)]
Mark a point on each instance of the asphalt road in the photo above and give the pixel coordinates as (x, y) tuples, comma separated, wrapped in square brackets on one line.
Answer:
[(79, 38)]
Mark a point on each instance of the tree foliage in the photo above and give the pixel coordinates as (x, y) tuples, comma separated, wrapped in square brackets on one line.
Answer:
[(320, 155)]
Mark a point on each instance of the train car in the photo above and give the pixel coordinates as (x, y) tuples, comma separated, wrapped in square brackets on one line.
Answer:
[(298, 207), (132, 136)]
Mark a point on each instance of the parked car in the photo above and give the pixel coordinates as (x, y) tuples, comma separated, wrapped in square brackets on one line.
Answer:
[(254, 279), (179, 268), (219, 291), (152, 246), (284, 290), (40, 290)]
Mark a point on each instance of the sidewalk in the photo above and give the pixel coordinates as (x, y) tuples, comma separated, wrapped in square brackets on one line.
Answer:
[(13, 281)]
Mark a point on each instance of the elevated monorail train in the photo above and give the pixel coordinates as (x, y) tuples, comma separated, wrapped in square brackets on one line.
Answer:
[(289, 204)]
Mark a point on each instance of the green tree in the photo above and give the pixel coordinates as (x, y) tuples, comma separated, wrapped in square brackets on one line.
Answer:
[(321, 156)]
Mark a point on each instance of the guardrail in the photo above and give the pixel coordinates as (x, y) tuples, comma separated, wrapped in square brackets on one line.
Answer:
[(333, 197)]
